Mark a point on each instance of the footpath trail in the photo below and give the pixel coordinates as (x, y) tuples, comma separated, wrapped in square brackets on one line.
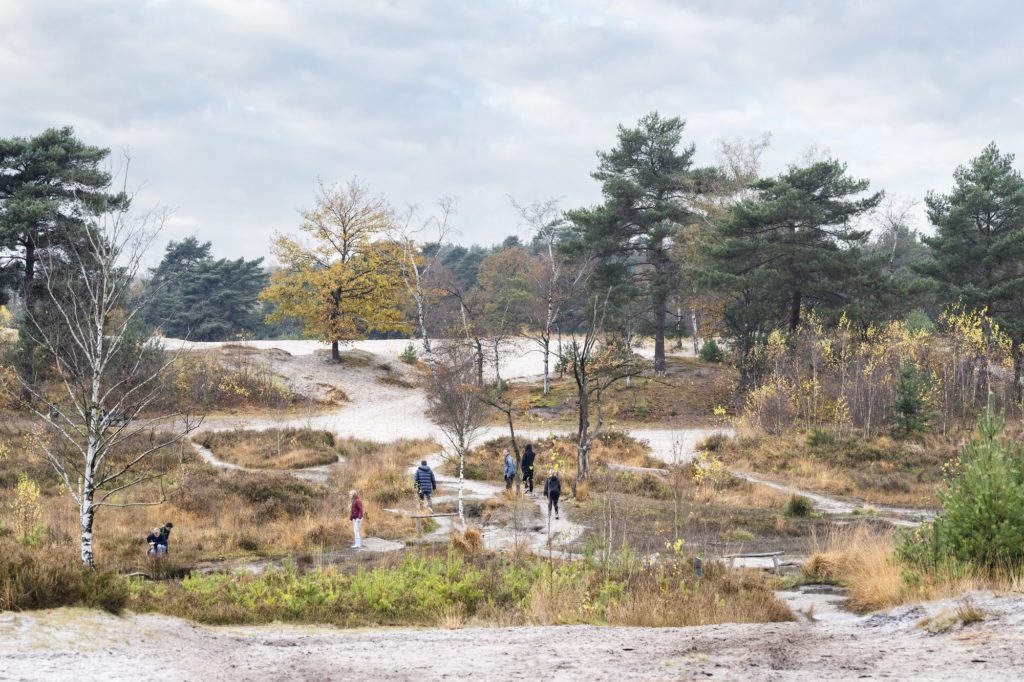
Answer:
[(383, 409), (80, 645)]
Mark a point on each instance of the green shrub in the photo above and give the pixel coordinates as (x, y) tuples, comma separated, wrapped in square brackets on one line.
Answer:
[(918, 321), (819, 437), (798, 506), (409, 356), (910, 409), (711, 352), (982, 509)]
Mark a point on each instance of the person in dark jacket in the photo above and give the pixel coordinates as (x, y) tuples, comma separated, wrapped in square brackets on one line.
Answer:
[(510, 470), (356, 517), (158, 540), (552, 491), (425, 483), (527, 466), (152, 539)]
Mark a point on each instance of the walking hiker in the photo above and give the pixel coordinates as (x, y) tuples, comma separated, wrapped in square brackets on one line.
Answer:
[(356, 516), (425, 483), (527, 467), (552, 491), (510, 469)]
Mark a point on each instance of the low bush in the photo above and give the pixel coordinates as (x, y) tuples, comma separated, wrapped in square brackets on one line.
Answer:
[(41, 579), (711, 352), (798, 506), (428, 590)]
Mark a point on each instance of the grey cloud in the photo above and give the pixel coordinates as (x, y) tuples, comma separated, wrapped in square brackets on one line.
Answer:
[(232, 110)]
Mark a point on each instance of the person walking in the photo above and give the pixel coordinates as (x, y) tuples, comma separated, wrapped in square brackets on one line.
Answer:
[(425, 483), (356, 516), (527, 466), (510, 469), (552, 491)]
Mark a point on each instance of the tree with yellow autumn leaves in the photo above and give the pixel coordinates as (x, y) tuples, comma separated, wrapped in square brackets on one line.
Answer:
[(346, 280)]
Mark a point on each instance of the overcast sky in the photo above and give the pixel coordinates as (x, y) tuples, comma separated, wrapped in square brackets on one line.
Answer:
[(232, 109)]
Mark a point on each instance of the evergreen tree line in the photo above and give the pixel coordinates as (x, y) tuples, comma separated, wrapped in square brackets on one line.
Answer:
[(673, 249)]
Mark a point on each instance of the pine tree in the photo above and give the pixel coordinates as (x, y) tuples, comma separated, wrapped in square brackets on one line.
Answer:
[(790, 248), (196, 297), (979, 243), (910, 409), (631, 234)]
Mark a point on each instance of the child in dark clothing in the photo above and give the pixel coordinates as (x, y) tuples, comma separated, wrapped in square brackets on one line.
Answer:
[(552, 491)]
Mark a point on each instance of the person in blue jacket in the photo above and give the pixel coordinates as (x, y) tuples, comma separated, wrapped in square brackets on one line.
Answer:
[(510, 469), (425, 483)]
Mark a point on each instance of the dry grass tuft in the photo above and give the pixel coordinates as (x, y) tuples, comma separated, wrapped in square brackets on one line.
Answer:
[(470, 541)]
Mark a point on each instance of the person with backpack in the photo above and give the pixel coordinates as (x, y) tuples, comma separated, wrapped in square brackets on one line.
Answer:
[(425, 484), (510, 469), (552, 491), (527, 467), (356, 517)]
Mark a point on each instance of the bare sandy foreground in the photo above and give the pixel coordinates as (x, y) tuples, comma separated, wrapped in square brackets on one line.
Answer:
[(75, 644)]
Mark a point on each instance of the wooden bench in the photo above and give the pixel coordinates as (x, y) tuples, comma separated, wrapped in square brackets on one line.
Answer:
[(756, 555)]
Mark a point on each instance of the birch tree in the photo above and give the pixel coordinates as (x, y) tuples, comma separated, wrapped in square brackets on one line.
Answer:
[(596, 360), (552, 280), (110, 374), (417, 269), (456, 406)]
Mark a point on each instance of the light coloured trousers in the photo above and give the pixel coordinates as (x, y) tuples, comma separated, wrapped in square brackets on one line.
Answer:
[(358, 539)]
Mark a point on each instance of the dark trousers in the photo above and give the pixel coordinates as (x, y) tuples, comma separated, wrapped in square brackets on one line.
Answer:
[(528, 479), (553, 502), (508, 482)]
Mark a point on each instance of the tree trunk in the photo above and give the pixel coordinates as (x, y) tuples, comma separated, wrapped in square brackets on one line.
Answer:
[(794, 312), (335, 351), (696, 331), (660, 315), (582, 438), (462, 483), (547, 362), (27, 284), (87, 513), (479, 362)]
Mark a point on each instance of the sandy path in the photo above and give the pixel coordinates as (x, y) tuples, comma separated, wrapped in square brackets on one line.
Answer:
[(536, 532), (86, 645), (384, 412)]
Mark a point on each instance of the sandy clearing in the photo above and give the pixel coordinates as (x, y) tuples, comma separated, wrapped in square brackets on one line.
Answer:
[(72, 644), (521, 358)]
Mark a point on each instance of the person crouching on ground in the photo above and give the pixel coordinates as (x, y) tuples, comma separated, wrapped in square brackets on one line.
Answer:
[(510, 469), (151, 539), (158, 540), (527, 467), (552, 491), (356, 516), (425, 483)]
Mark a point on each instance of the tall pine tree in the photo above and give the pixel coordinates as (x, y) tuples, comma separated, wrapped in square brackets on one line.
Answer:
[(790, 248), (978, 245), (631, 234)]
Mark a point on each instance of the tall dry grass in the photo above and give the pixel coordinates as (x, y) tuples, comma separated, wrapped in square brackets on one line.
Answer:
[(863, 559)]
